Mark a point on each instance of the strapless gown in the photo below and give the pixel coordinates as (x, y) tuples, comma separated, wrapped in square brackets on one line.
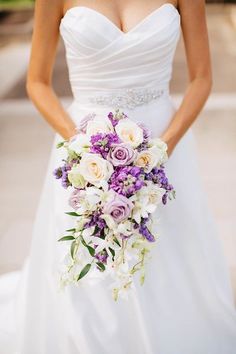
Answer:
[(186, 303)]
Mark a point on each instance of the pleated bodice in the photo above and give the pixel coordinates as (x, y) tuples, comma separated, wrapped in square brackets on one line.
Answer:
[(101, 57)]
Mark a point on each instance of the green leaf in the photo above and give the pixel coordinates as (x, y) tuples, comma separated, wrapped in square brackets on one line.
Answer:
[(71, 230), (66, 238), (84, 271), (73, 249), (117, 242), (101, 266), (60, 144), (91, 250), (72, 213), (96, 229), (112, 251)]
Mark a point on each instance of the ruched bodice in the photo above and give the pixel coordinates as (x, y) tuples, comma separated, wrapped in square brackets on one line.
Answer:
[(100, 56)]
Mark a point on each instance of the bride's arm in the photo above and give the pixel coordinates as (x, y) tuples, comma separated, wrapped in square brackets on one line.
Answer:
[(199, 66), (44, 43)]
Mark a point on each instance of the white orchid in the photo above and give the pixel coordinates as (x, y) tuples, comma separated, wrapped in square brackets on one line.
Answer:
[(146, 201)]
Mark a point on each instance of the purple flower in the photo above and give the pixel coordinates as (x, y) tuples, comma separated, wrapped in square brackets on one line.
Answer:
[(143, 229), (82, 125), (62, 173), (76, 197), (96, 220), (146, 131), (158, 176), (121, 154), (127, 180), (101, 143), (101, 256), (115, 117), (119, 208), (58, 173)]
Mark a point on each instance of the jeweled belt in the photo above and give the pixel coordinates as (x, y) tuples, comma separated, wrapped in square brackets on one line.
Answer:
[(122, 98)]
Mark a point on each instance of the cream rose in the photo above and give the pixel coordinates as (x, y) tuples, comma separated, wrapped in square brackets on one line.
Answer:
[(99, 125), (129, 132), (148, 159), (95, 169)]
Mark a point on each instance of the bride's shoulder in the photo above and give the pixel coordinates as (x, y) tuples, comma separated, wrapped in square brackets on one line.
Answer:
[(49, 11), (190, 7)]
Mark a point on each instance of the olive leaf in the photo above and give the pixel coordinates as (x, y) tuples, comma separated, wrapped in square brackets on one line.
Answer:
[(66, 238), (84, 271)]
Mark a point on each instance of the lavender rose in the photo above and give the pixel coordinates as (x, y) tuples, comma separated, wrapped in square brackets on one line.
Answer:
[(76, 197), (121, 154), (119, 208)]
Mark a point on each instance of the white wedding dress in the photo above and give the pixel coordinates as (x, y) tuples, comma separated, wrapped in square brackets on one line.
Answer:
[(186, 303)]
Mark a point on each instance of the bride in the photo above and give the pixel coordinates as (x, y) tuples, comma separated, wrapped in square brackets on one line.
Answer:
[(119, 55)]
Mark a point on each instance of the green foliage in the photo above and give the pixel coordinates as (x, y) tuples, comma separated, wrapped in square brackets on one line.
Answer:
[(84, 271), (16, 4)]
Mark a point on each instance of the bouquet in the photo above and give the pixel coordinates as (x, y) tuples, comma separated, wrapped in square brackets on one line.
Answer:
[(115, 173)]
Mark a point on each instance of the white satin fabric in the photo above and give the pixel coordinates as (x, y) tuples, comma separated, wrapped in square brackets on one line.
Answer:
[(186, 304)]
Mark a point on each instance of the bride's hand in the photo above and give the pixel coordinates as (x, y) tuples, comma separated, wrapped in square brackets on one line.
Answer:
[(170, 145)]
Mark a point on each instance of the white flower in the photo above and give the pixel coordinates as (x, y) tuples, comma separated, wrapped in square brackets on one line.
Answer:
[(146, 201), (80, 143), (129, 132), (106, 243), (149, 158), (75, 177), (87, 233), (161, 146), (99, 124), (95, 169)]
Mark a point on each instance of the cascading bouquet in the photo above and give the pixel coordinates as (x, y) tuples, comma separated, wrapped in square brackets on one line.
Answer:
[(116, 175)]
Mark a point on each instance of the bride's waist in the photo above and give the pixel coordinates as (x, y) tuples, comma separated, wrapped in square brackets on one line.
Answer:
[(124, 98)]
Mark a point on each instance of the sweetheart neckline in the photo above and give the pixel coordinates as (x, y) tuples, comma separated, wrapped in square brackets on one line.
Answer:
[(98, 13)]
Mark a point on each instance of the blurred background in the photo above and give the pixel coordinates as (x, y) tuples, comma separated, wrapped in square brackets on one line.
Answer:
[(25, 138)]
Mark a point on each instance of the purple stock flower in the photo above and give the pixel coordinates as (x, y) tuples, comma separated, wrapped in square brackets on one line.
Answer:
[(127, 180), (101, 256), (158, 176), (143, 229), (146, 131), (96, 220), (62, 173), (58, 173), (115, 117), (101, 143)]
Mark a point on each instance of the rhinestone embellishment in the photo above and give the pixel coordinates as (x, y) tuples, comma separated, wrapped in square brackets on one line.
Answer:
[(129, 98)]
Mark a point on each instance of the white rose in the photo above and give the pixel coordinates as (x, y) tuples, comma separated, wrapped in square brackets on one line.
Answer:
[(162, 146), (80, 143), (149, 158), (95, 169), (129, 132), (99, 125)]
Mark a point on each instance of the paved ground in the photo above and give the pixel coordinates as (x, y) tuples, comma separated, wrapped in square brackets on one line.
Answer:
[(215, 132)]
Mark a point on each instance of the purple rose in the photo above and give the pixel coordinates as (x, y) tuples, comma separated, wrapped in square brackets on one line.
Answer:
[(76, 197), (82, 125), (119, 207), (121, 154)]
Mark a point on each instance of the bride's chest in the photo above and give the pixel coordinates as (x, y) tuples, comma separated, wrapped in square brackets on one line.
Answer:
[(87, 31)]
